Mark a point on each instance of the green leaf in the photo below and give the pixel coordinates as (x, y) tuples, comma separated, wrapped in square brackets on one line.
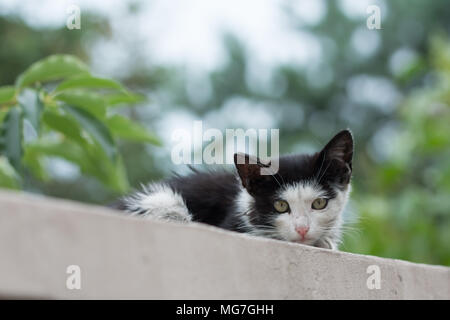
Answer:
[(63, 149), (119, 178), (95, 128), (52, 68), (34, 162), (91, 160), (32, 107), (124, 128), (7, 93), (88, 81), (123, 98), (64, 124), (8, 176), (89, 101), (11, 136), (3, 114)]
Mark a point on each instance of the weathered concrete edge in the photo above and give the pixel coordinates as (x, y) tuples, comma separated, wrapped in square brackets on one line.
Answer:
[(316, 280)]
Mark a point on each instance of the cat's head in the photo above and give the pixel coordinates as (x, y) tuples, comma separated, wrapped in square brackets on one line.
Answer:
[(303, 201)]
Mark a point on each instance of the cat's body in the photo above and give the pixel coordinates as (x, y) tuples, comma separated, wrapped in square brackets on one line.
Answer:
[(302, 202)]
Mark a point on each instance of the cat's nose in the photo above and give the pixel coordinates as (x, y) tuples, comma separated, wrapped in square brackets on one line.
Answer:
[(302, 231)]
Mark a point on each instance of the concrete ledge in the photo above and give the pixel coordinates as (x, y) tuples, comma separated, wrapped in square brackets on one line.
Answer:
[(123, 257)]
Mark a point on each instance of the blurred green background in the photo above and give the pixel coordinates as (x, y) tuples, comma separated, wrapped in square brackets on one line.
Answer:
[(309, 68)]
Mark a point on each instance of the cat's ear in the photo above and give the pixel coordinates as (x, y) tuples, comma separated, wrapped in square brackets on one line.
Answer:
[(338, 155), (249, 170), (340, 147)]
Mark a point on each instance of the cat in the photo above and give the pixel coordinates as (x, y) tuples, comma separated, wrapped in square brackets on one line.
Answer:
[(303, 202)]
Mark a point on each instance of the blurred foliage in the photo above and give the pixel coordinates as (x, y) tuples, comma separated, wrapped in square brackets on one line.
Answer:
[(70, 119), (23, 45), (401, 184), (409, 202)]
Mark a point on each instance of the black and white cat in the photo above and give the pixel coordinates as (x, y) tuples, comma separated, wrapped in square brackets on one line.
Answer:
[(302, 202)]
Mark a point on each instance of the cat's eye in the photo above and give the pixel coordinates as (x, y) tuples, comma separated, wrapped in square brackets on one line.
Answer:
[(281, 206), (319, 203)]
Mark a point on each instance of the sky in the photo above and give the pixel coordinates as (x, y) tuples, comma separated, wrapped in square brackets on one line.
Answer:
[(189, 33)]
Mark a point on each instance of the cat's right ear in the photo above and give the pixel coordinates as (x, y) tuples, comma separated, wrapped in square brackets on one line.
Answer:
[(249, 170), (337, 156)]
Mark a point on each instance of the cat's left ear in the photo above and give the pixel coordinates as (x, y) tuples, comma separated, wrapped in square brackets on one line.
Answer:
[(338, 154), (249, 170)]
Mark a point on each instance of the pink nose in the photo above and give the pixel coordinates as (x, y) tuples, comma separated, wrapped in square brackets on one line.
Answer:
[(302, 231)]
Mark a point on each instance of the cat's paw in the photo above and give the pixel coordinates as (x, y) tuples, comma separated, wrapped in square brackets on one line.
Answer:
[(169, 215), (326, 243)]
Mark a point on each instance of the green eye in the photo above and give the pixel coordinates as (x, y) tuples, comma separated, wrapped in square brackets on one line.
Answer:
[(281, 206), (319, 203)]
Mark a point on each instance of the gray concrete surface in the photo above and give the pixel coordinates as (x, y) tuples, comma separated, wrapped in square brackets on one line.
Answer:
[(123, 257)]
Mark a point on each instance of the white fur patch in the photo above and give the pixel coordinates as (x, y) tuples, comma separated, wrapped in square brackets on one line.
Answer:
[(158, 201), (244, 202), (324, 225)]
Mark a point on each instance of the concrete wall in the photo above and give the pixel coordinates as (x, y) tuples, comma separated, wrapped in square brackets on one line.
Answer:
[(123, 257)]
